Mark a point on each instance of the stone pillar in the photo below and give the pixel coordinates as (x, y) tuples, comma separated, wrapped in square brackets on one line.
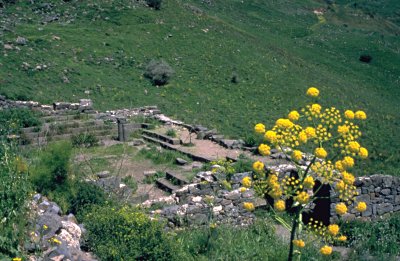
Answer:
[(121, 129)]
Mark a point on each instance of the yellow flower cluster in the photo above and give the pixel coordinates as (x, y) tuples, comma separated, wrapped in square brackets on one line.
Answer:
[(341, 209), (280, 205), (248, 206), (320, 153), (309, 182), (324, 170), (246, 182), (284, 123), (294, 116), (299, 243), (361, 206), (264, 150), (313, 92), (259, 128), (302, 197), (333, 229), (297, 155), (360, 115), (258, 166), (326, 250)]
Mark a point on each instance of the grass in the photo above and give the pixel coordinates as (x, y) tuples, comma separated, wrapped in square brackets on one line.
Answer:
[(276, 49), (166, 157)]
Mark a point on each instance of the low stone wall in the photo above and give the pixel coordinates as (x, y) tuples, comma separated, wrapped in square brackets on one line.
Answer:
[(380, 192), (206, 201)]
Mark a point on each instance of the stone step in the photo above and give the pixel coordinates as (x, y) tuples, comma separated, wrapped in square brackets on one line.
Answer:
[(66, 117), (172, 147), (176, 178), (43, 141), (34, 135), (164, 138), (166, 185), (64, 125), (99, 134)]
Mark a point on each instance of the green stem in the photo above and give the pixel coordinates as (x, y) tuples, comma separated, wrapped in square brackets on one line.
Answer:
[(292, 236)]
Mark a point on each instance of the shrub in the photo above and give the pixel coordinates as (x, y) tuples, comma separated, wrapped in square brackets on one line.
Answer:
[(126, 233), (12, 120), (86, 140), (74, 196), (171, 133), (131, 183), (159, 72), (156, 4), (52, 168), (14, 189)]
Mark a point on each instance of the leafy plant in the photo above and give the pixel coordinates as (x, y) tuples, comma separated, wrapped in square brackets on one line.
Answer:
[(86, 140), (171, 133), (119, 233), (333, 143), (14, 189), (52, 168), (130, 182), (152, 178)]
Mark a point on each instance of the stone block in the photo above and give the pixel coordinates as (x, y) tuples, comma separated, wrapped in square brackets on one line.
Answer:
[(385, 191), (384, 208)]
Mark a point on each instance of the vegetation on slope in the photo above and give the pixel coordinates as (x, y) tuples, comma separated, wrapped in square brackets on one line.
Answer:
[(275, 49)]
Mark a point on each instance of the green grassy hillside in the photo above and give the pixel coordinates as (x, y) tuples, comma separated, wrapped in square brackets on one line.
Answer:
[(277, 49)]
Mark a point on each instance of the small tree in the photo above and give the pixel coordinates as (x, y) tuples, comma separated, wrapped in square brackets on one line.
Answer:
[(156, 4), (159, 72)]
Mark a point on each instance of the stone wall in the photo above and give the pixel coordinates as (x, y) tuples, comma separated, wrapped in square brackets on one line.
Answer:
[(206, 201), (380, 192)]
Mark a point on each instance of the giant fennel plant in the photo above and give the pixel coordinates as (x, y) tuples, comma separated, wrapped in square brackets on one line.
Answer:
[(323, 145)]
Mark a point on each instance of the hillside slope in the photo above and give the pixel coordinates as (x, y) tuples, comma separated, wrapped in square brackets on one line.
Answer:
[(277, 49)]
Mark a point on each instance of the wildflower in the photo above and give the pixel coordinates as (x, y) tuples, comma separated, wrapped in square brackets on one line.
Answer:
[(270, 136), (303, 137), (316, 108), (45, 227), (361, 206), (309, 182), (297, 155), (326, 250), (302, 198), (264, 150), (213, 225), (340, 185), (339, 165), (343, 129), (311, 133), (284, 123), (242, 189), (280, 205), (258, 166), (349, 114), (259, 128), (342, 238), (293, 116), (320, 153), (363, 153), (17, 259), (248, 206), (348, 178), (333, 229), (313, 92), (341, 209), (354, 146), (348, 162), (246, 181), (360, 115), (299, 243)]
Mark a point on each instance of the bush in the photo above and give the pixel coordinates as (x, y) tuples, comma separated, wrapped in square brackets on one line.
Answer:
[(86, 140), (125, 233), (75, 196), (12, 120), (171, 133), (131, 183), (14, 191), (156, 4), (159, 72), (52, 168)]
